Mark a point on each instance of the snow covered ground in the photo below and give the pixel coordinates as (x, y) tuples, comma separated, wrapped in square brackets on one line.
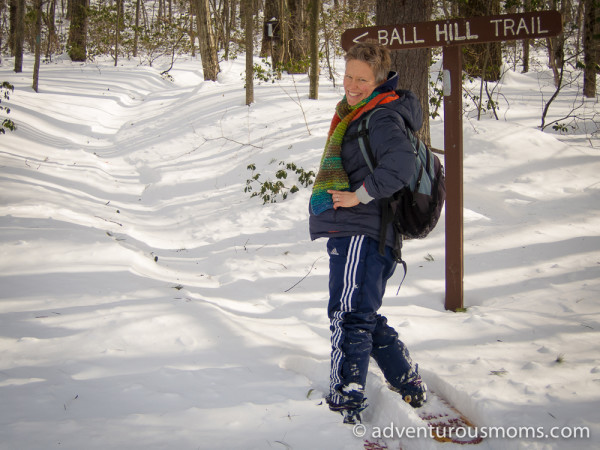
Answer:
[(147, 302)]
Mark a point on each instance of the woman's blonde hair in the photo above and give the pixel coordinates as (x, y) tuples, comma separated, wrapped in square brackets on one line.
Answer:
[(375, 55)]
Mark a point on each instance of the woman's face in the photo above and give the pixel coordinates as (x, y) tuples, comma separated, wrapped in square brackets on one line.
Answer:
[(359, 81)]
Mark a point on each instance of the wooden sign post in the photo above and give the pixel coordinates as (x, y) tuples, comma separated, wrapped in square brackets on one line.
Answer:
[(451, 35)]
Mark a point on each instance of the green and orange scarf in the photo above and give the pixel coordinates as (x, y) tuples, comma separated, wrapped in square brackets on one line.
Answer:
[(331, 173)]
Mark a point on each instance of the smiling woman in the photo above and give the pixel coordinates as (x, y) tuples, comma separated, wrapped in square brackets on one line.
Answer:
[(359, 81), (344, 209)]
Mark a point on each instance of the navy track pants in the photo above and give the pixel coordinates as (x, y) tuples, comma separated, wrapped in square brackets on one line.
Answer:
[(357, 279)]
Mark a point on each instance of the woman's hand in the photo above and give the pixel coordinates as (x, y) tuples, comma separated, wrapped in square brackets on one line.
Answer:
[(343, 199)]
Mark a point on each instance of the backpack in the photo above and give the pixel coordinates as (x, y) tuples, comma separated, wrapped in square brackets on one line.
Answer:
[(415, 209)]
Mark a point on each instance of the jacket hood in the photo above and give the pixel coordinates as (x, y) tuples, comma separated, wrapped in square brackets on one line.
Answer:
[(407, 105)]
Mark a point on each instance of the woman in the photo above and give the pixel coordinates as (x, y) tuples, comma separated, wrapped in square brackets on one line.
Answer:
[(344, 208)]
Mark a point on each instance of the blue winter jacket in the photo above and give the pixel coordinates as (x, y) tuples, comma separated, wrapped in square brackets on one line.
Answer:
[(395, 165)]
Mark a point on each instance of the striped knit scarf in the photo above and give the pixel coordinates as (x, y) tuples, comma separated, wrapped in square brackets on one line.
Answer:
[(331, 173)]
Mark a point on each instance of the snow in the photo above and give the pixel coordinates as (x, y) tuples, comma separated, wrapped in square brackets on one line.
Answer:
[(148, 302)]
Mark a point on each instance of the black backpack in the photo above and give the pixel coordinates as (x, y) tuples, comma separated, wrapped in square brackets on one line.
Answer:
[(415, 209)]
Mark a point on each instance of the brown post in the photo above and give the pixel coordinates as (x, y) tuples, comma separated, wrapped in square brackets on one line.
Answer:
[(453, 156)]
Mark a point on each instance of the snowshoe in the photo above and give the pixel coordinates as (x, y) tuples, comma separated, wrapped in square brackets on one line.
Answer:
[(414, 392), (351, 416)]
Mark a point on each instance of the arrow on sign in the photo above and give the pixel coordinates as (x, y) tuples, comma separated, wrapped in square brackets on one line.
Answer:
[(357, 39)]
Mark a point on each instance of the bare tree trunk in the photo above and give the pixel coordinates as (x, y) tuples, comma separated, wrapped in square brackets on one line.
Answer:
[(249, 31), (12, 10), (50, 20), (78, 30), (136, 31), (279, 49), (556, 51), (297, 60), (118, 31), (192, 33), (2, 14), (38, 44), (580, 24), (526, 42), (208, 50), (19, 38), (315, 9), (226, 29), (412, 65), (232, 21), (591, 47), (475, 54), (271, 12)]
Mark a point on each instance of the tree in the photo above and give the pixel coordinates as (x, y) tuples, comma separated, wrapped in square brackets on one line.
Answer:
[(591, 47), (249, 29), (38, 43), (526, 42), (208, 50), (223, 30), (290, 48), (315, 9), (49, 18), (556, 47), (229, 21), (412, 65), (19, 35), (77, 42), (136, 27), (118, 26), (271, 11), (296, 58), (482, 60), (274, 9)]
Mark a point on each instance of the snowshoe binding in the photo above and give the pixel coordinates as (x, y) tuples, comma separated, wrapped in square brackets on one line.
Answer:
[(413, 392), (351, 416)]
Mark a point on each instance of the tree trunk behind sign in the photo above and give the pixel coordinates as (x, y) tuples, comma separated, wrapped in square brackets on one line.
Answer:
[(556, 48), (206, 38), (482, 59), (412, 65), (526, 42)]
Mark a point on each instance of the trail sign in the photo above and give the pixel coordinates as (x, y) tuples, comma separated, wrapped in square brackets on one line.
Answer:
[(451, 35), (474, 30)]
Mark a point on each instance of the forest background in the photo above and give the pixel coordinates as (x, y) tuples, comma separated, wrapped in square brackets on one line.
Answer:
[(293, 36)]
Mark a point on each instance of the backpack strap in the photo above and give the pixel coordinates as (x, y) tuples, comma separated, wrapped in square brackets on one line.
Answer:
[(367, 152), (387, 215), (363, 140)]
